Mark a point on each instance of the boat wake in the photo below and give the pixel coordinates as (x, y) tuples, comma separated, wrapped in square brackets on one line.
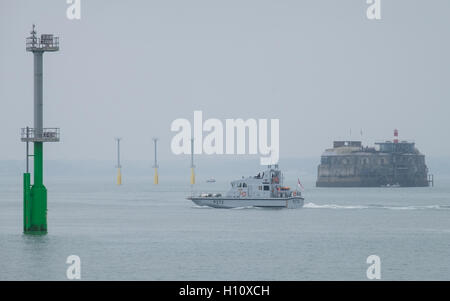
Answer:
[(332, 206), (375, 206), (201, 207), (245, 207)]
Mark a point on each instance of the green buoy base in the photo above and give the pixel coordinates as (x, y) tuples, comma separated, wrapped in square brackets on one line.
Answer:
[(35, 232), (35, 208)]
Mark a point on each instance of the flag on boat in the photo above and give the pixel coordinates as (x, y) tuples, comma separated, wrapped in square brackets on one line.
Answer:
[(299, 184)]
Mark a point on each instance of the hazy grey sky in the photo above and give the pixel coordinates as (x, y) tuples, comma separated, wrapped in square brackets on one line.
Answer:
[(129, 68)]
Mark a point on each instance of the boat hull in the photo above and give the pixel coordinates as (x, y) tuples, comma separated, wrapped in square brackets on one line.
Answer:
[(220, 202)]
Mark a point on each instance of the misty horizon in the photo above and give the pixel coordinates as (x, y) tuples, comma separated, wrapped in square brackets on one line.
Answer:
[(324, 70)]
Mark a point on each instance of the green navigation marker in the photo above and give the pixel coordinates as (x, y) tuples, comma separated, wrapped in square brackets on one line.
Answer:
[(35, 195)]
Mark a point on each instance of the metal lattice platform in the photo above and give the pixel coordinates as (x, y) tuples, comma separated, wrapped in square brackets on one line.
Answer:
[(44, 43), (48, 135), (47, 42)]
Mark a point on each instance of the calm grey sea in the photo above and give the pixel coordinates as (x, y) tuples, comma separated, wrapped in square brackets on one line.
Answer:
[(139, 231)]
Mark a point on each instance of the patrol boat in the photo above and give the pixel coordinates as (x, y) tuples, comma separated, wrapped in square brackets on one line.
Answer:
[(211, 180), (263, 190)]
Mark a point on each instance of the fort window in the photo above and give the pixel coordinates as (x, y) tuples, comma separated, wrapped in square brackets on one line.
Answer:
[(266, 187), (325, 160)]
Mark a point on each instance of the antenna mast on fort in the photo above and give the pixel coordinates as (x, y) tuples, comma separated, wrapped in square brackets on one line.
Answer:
[(35, 196)]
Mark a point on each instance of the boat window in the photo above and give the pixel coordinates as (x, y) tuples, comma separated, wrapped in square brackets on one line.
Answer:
[(266, 187)]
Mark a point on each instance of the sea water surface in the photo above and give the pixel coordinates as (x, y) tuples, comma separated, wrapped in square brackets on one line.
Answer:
[(139, 231)]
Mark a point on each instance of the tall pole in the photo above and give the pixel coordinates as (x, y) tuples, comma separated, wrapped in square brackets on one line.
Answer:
[(38, 94), (28, 150), (192, 162), (39, 208), (119, 172), (35, 196), (155, 165)]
